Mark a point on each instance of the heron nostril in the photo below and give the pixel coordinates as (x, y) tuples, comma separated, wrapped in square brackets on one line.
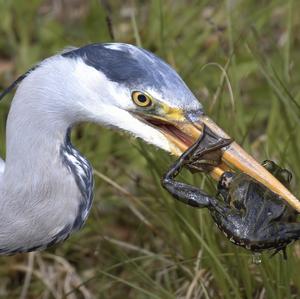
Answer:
[(194, 115)]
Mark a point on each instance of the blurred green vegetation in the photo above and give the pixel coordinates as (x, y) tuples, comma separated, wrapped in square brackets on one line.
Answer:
[(138, 241)]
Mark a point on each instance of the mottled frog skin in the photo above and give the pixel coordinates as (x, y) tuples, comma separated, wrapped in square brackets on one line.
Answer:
[(252, 216), (248, 213)]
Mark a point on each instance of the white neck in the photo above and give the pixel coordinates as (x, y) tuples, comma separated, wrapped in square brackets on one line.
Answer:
[(40, 199), (43, 196)]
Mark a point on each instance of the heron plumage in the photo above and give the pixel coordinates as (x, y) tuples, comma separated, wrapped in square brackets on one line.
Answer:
[(46, 186)]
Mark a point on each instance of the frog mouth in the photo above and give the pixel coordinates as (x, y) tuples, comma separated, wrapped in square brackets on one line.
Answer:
[(183, 133)]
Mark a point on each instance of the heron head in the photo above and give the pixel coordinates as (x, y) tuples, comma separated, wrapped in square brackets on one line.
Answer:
[(143, 95), (139, 93)]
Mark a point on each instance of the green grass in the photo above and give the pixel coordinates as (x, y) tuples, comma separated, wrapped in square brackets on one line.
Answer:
[(139, 242)]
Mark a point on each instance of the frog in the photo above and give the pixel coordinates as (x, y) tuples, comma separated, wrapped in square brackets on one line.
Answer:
[(248, 213)]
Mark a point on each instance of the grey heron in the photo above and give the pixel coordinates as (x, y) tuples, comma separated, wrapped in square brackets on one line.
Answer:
[(46, 185)]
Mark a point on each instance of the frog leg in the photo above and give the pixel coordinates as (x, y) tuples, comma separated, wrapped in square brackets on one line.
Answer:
[(183, 192), (276, 236), (277, 250), (280, 234), (230, 222)]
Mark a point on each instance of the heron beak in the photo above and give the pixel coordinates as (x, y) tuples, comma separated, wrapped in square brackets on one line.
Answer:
[(182, 133)]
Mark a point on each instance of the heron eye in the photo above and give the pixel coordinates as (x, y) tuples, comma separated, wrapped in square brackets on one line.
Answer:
[(141, 99)]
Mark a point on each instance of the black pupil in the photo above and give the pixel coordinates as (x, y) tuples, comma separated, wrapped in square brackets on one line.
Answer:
[(142, 98)]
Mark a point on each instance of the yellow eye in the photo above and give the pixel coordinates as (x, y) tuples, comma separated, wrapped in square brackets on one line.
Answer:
[(141, 99)]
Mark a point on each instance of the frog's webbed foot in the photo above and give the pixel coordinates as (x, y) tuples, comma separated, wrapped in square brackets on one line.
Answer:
[(206, 152), (186, 193)]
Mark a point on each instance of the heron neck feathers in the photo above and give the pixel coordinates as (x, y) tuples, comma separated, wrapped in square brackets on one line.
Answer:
[(46, 187)]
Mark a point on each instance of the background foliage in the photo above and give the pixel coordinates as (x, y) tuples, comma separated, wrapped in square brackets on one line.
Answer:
[(139, 242)]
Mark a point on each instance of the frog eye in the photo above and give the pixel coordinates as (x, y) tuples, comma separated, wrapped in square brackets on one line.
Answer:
[(286, 175), (269, 165), (141, 99)]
